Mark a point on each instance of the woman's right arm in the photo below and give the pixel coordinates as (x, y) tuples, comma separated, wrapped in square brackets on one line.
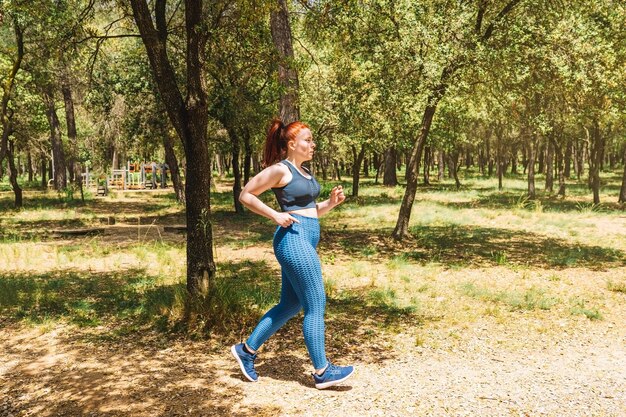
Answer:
[(263, 181)]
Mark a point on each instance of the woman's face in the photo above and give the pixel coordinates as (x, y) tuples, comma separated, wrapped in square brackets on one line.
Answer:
[(302, 147)]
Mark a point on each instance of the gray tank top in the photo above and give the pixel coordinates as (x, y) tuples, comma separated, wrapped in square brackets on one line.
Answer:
[(299, 193)]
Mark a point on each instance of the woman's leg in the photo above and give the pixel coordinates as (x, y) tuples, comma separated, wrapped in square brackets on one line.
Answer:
[(288, 306), (302, 267)]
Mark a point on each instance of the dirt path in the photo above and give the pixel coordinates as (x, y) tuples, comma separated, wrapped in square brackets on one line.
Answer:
[(57, 373)]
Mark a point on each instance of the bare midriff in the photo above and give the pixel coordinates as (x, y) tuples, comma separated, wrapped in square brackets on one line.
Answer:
[(307, 212)]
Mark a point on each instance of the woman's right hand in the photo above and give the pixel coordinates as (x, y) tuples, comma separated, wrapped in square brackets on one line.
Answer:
[(285, 219)]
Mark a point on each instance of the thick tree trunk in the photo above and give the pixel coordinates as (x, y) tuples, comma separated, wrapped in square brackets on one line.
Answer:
[(190, 119), (58, 154), (549, 186), (356, 168), (172, 163), (390, 179), (287, 73)]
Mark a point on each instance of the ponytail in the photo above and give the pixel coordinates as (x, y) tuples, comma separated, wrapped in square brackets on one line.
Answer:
[(274, 143), (277, 137)]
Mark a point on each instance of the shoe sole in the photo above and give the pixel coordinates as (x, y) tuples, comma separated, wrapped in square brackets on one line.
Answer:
[(329, 384), (233, 350)]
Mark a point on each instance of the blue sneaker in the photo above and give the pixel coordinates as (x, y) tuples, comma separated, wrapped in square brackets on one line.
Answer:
[(246, 361), (333, 375)]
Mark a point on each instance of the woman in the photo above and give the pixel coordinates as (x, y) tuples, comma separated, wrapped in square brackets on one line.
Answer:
[(295, 242)]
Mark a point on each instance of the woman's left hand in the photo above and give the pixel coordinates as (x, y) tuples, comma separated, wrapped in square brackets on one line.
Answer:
[(336, 196)]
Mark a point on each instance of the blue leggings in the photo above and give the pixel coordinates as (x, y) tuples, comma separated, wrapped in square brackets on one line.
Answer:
[(302, 287)]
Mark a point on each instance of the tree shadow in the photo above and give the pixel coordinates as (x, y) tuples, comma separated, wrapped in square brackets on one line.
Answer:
[(505, 200), (118, 379), (122, 299), (473, 246)]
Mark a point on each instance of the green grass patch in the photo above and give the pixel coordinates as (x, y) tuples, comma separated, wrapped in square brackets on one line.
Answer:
[(532, 299), (579, 307)]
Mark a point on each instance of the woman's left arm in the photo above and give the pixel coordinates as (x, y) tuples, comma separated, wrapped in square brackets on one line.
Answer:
[(336, 197)]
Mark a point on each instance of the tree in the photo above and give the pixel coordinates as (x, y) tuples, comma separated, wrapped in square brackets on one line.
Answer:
[(6, 145), (189, 116), (287, 72)]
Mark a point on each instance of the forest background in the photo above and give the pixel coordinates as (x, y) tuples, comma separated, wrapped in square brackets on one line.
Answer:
[(438, 117)]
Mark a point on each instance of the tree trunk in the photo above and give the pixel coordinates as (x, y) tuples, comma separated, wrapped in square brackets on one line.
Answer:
[(17, 191), (549, 186), (247, 156), (560, 168), (402, 225), (236, 150), (596, 153), (489, 158), (540, 154), (58, 155), (514, 161), (440, 166), (622, 193), (172, 163), (287, 72), (390, 179), (74, 170), (356, 168), (7, 84), (427, 166), (336, 170), (568, 160), (580, 160), (530, 167), (499, 166), (453, 166), (190, 119), (44, 169), (29, 163)]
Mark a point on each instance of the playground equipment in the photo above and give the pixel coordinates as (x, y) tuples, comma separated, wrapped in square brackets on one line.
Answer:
[(135, 176)]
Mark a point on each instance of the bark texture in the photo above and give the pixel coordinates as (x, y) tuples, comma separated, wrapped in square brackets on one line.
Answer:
[(287, 73), (189, 116)]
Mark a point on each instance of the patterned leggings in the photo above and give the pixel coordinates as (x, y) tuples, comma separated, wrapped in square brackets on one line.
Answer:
[(302, 287)]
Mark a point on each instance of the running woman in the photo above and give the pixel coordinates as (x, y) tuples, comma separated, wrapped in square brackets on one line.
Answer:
[(295, 243)]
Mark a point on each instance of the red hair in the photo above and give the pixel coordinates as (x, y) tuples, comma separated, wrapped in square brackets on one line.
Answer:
[(278, 136)]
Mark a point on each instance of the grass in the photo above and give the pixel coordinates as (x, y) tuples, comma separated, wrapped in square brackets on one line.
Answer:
[(475, 254), (530, 299)]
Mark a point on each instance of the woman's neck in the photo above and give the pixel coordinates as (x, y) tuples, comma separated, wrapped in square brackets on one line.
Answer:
[(294, 161)]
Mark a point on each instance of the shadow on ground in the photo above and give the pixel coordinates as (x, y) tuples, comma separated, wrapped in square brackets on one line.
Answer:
[(57, 375), (472, 246)]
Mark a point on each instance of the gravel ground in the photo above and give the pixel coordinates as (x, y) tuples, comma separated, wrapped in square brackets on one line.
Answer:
[(576, 373)]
